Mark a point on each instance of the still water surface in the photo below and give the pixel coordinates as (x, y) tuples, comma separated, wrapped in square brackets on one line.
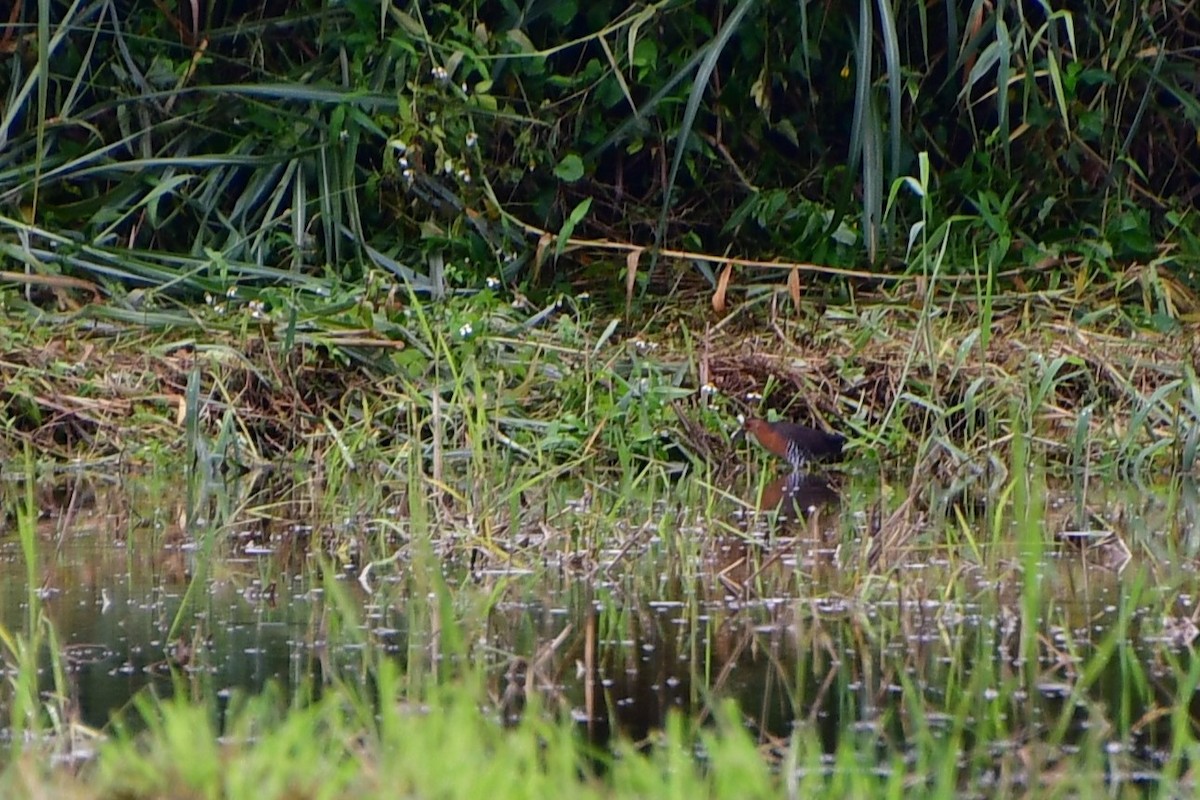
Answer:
[(790, 625)]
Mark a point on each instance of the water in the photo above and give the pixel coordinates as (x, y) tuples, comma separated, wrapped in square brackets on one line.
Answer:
[(785, 619)]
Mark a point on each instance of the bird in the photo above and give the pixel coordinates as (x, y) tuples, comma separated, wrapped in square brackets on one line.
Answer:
[(798, 444)]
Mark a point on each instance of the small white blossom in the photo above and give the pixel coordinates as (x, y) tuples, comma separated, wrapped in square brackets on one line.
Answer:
[(753, 397), (583, 297), (440, 74), (403, 163), (708, 390), (231, 292), (208, 299), (493, 282), (465, 331), (448, 167), (464, 176), (472, 139)]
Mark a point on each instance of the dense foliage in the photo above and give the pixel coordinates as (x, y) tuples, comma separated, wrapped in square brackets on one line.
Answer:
[(447, 143)]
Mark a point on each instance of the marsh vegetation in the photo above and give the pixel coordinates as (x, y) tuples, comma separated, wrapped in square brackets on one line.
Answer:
[(369, 375)]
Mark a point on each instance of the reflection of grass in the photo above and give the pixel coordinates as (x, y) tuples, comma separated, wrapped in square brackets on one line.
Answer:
[(954, 666), (911, 693)]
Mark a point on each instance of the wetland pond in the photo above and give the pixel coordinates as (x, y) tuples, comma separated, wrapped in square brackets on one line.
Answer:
[(1074, 637)]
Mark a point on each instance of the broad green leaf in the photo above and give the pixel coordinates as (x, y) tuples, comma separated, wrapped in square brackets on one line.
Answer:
[(570, 169)]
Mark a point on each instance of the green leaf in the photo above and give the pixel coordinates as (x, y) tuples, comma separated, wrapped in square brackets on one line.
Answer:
[(568, 227), (570, 169), (521, 40), (563, 12)]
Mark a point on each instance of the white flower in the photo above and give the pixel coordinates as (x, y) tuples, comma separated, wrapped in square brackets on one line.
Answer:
[(472, 139), (465, 331), (493, 282), (439, 74)]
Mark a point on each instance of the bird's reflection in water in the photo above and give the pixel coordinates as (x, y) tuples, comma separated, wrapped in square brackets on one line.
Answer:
[(741, 563), (797, 494)]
